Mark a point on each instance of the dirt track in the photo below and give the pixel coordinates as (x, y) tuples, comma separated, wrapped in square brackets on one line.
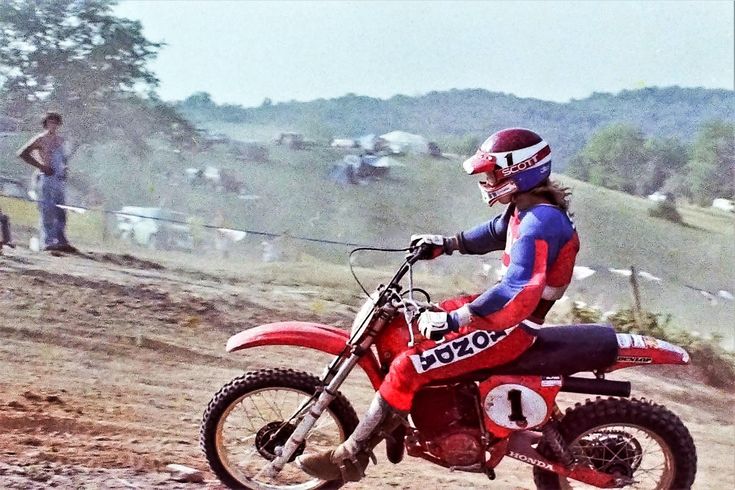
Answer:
[(109, 361)]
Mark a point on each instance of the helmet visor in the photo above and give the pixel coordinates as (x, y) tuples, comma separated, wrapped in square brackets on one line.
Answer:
[(479, 162)]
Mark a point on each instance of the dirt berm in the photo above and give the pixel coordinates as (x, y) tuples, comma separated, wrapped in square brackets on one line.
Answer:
[(108, 362)]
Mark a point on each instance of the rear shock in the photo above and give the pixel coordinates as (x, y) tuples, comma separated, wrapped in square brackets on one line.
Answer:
[(556, 442)]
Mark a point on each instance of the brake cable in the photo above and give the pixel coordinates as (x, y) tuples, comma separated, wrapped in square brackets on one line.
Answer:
[(375, 249)]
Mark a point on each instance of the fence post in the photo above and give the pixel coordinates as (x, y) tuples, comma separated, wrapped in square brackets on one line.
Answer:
[(104, 225), (637, 316)]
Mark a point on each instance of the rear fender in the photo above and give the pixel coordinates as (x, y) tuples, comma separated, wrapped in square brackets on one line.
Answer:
[(324, 338), (635, 350)]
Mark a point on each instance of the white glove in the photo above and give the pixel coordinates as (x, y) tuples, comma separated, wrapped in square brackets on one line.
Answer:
[(433, 245), (433, 324)]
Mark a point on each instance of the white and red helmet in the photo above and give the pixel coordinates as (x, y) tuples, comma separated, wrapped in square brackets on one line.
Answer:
[(514, 160)]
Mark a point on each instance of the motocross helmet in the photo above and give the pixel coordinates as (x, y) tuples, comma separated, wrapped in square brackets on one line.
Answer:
[(514, 160)]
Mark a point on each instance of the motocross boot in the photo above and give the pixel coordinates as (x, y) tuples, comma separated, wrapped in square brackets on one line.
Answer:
[(349, 460)]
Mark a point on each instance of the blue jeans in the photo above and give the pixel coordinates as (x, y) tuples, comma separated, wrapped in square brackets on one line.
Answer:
[(53, 218), (4, 230)]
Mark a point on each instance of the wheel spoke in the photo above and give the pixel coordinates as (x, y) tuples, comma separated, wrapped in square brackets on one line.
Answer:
[(617, 447), (252, 427)]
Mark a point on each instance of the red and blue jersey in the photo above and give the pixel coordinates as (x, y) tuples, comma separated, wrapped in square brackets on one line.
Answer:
[(540, 247)]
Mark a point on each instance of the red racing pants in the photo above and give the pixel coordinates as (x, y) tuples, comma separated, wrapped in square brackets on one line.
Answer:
[(459, 353)]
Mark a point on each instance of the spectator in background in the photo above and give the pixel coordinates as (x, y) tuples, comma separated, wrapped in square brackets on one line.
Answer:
[(46, 153), (221, 240), (5, 238)]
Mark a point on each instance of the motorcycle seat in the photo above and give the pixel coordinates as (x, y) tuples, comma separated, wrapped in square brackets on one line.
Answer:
[(565, 350)]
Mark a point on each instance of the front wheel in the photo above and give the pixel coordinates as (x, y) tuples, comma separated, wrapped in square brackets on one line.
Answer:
[(248, 418), (637, 440)]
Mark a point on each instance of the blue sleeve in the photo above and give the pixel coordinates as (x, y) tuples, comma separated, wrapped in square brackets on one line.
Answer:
[(517, 278), (487, 237), (517, 293)]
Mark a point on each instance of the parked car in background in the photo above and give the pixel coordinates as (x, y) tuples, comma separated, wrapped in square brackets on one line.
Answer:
[(724, 204), (659, 196), (155, 228), (294, 141)]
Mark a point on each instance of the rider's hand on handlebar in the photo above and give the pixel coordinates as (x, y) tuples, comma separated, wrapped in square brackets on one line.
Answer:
[(433, 324), (430, 246)]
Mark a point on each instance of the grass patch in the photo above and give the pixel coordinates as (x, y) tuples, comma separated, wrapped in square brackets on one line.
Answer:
[(425, 195), (24, 214)]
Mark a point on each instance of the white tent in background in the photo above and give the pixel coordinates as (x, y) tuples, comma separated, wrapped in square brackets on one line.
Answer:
[(213, 175), (403, 142)]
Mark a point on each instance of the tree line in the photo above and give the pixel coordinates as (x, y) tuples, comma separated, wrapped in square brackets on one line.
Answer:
[(457, 119), (621, 157)]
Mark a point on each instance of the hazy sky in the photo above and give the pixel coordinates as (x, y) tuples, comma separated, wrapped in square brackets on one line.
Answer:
[(241, 52)]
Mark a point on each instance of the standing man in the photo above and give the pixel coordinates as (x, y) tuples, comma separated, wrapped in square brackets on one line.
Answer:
[(46, 153)]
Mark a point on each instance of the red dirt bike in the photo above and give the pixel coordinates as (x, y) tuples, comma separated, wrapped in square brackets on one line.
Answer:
[(258, 423)]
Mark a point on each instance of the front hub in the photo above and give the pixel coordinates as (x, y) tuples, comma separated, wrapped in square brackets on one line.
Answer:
[(272, 435)]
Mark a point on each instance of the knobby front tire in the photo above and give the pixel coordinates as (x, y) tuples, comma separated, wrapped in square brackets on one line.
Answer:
[(239, 423)]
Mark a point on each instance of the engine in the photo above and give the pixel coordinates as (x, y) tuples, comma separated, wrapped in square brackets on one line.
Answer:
[(448, 422)]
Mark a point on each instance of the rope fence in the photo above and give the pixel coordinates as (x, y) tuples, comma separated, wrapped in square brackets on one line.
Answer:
[(581, 272)]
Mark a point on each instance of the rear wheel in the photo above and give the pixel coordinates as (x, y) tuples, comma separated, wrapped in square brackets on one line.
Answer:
[(636, 440), (248, 418)]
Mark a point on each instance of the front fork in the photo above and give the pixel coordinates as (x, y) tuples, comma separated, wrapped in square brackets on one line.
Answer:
[(328, 394)]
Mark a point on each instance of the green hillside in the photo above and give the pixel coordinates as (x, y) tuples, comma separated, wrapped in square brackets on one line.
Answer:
[(295, 197)]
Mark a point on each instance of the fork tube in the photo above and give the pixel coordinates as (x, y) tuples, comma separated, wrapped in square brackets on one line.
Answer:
[(325, 398), (302, 430)]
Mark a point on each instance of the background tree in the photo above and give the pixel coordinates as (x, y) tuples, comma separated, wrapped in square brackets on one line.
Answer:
[(666, 158), (201, 101), (77, 57), (447, 116), (615, 157), (712, 166)]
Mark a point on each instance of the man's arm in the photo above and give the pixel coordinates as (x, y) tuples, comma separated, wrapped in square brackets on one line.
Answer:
[(486, 237), (25, 153), (514, 298)]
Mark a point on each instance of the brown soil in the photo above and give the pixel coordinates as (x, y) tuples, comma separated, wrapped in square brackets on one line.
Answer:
[(109, 361)]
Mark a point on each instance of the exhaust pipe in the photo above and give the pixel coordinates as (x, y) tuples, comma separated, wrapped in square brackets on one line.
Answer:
[(595, 386)]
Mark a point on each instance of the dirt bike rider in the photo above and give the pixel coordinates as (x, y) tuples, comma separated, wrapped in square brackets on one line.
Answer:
[(540, 245)]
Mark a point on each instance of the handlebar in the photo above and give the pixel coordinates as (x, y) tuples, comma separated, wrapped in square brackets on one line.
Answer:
[(391, 296), (414, 253)]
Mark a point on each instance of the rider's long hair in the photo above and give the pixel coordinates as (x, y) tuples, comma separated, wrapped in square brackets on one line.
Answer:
[(553, 192)]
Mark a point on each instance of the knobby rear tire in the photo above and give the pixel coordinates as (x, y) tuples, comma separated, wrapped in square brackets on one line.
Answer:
[(262, 379), (636, 412)]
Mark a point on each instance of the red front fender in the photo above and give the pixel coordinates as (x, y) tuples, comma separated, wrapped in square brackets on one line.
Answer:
[(316, 336)]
